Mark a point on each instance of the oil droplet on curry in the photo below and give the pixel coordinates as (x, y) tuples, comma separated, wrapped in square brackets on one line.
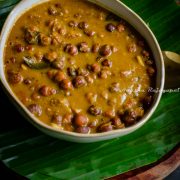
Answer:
[(79, 68)]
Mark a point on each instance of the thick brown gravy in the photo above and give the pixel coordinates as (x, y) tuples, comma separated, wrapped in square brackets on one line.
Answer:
[(78, 67)]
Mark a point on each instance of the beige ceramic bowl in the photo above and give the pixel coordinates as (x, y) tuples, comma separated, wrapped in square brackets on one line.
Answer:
[(117, 8)]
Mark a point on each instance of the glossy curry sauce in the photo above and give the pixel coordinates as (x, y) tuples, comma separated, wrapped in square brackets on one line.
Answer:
[(78, 67)]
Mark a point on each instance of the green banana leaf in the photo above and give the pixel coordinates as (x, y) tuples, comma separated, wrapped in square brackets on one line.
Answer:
[(37, 156)]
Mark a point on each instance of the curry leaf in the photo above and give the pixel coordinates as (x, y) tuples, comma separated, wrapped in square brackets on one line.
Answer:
[(33, 64)]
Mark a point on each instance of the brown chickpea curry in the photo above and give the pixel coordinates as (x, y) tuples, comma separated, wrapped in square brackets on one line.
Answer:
[(79, 68)]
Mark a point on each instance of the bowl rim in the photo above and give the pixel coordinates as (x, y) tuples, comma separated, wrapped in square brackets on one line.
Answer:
[(3, 39)]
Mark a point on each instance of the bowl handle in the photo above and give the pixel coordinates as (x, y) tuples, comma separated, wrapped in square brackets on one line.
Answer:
[(172, 69)]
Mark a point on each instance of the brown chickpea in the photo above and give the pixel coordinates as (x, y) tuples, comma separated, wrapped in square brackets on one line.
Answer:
[(79, 81), (99, 59), (83, 25), (95, 48), (83, 47), (80, 120), (105, 50), (56, 40), (95, 68), (29, 48), (151, 71), (71, 49), (53, 11), (82, 72), (120, 28), (91, 97), (72, 24), (83, 130), (103, 74), (89, 79), (35, 109), (72, 71), (13, 60), (62, 31), (51, 73), (14, 77), (27, 81), (110, 27), (45, 40), (47, 91), (149, 62), (65, 84), (132, 48), (59, 63), (32, 35), (114, 49), (145, 53), (35, 96), (109, 113), (57, 119), (67, 119), (147, 101), (89, 33), (114, 87), (19, 48), (105, 127), (51, 56), (59, 76), (95, 111), (116, 122), (129, 117), (107, 63), (77, 16)]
